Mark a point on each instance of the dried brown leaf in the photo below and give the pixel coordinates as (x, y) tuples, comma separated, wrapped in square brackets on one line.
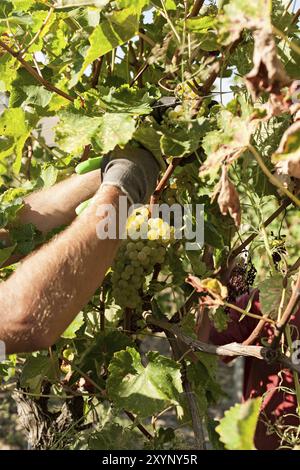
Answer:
[(228, 200), (268, 73), (287, 156)]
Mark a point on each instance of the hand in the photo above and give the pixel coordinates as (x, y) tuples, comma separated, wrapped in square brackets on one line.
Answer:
[(133, 170)]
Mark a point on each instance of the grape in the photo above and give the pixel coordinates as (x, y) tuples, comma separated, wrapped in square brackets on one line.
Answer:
[(137, 257), (125, 275), (133, 255)]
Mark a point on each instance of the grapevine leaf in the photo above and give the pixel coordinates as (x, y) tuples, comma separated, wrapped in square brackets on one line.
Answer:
[(202, 24), (228, 198), (23, 5), (113, 436), (36, 370), (27, 237), (127, 99), (10, 203), (118, 28), (268, 73), (93, 357), (228, 143), (238, 426), (76, 130), (70, 332), (14, 127), (241, 14), (80, 3), (115, 129), (8, 70), (287, 156), (143, 390), (5, 253), (147, 135), (270, 292), (184, 139), (26, 91)]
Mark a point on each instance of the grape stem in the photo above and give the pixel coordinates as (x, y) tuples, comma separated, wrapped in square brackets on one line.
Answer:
[(164, 181)]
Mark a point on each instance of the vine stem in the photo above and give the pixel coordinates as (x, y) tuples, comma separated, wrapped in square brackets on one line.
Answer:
[(271, 177), (230, 350), (139, 425), (190, 395), (286, 202), (248, 314), (290, 308), (164, 181), (196, 8), (34, 73), (39, 32)]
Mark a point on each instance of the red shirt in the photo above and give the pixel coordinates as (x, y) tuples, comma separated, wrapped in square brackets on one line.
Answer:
[(260, 377)]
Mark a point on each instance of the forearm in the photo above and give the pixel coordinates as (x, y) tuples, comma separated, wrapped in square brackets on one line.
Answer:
[(55, 206), (50, 287)]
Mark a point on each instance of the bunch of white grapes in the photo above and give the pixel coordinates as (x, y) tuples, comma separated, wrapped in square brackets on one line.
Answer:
[(145, 246)]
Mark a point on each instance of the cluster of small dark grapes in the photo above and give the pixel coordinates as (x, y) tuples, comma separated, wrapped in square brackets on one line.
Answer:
[(137, 257), (251, 273), (241, 279), (278, 250)]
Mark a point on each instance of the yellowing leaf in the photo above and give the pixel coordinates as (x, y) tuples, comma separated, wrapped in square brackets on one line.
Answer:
[(238, 426), (14, 127), (287, 156), (228, 199)]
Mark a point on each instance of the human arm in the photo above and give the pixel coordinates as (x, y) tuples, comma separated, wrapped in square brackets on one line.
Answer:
[(53, 207), (51, 286)]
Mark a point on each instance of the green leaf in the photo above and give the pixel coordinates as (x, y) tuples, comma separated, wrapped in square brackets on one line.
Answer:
[(27, 237), (113, 436), (81, 3), (127, 99), (23, 5), (147, 135), (8, 70), (76, 130), (5, 253), (14, 126), (10, 203), (201, 24), (115, 129), (143, 390), (36, 370), (237, 428), (118, 28), (270, 292), (183, 139), (49, 176), (70, 332)]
